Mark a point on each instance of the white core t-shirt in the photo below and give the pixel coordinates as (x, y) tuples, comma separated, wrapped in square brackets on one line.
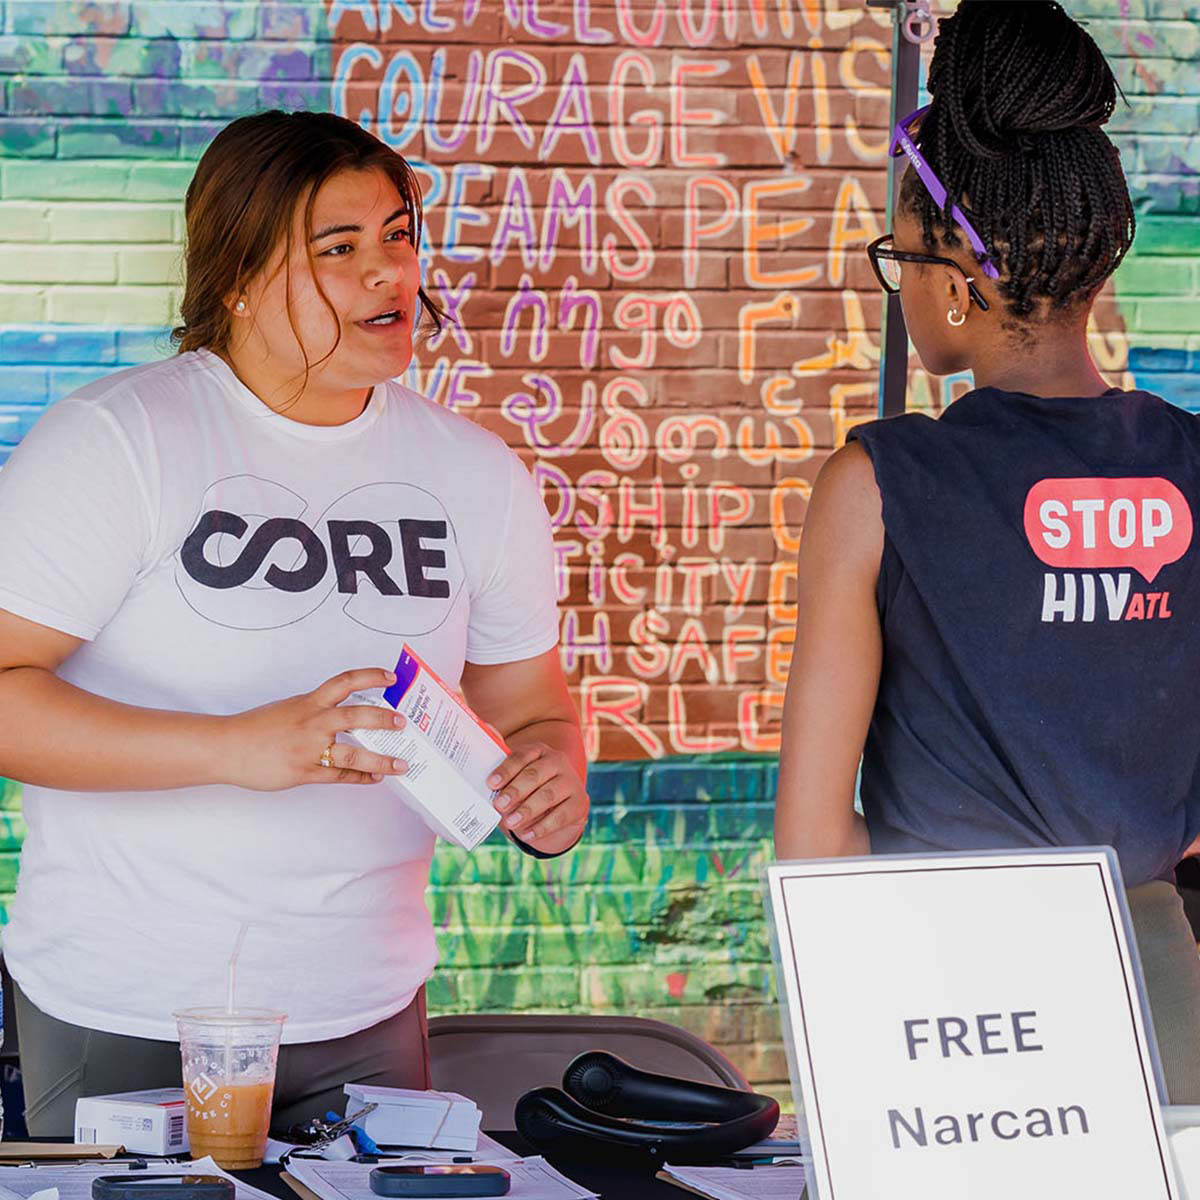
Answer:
[(218, 556)]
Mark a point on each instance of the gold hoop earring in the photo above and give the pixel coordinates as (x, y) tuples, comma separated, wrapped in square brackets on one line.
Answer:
[(950, 317)]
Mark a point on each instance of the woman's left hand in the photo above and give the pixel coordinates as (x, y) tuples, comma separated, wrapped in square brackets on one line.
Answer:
[(543, 800)]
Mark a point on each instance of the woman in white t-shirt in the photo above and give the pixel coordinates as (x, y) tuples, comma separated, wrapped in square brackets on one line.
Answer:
[(200, 559)]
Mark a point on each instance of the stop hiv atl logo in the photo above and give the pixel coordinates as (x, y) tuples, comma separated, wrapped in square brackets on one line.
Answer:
[(1099, 534)]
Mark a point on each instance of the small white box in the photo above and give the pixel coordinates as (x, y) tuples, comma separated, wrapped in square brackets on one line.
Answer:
[(450, 753), (437, 1120), (153, 1122)]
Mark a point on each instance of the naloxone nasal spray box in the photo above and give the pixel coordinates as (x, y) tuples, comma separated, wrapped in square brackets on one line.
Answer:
[(449, 751), (143, 1122)]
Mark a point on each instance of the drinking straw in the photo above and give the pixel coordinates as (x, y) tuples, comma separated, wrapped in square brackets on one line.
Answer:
[(233, 958), (229, 998)]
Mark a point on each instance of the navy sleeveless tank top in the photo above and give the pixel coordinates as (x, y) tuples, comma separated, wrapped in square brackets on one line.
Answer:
[(1039, 594)]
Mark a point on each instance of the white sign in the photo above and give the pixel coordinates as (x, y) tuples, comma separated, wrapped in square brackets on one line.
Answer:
[(968, 1026)]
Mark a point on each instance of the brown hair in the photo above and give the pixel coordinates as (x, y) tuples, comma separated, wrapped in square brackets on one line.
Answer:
[(240, 207)]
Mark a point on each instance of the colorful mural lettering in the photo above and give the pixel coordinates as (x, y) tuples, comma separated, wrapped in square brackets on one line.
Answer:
[(646, 219)]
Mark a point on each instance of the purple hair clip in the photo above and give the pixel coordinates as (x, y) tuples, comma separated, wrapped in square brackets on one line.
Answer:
[(903, 144)]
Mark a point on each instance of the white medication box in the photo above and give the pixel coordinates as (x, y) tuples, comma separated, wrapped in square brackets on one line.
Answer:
[(437, 1120), (449, 751), (151, 1122)]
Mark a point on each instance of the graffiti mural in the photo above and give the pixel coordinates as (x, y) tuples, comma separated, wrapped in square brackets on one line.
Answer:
[(646, 221), (649, 221)]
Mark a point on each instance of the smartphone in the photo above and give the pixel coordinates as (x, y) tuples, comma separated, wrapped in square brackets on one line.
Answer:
[(137, 1185), (440, 1180)]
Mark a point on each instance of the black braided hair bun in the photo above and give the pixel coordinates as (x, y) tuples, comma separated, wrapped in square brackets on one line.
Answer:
[(1035, 71), (1020, 92)]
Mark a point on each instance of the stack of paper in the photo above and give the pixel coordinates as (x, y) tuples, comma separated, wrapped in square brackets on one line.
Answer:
[(39, 1151), (739, 1183), (532, 1179), (442, 1120), (74, 1181)]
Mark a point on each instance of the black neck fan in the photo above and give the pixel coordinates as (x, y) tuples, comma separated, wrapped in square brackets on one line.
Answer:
[(610, 1112)]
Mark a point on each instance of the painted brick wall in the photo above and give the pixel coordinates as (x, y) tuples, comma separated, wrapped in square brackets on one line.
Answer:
[(649, 216)]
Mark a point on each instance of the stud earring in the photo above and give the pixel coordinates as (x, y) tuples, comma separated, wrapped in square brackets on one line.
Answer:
[(240, 306), (955, 318)]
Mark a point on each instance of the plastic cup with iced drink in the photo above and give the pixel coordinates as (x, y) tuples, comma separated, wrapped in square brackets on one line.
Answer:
[(228, 1077)]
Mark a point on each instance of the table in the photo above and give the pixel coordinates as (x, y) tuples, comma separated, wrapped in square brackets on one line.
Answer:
[(613, 1183)]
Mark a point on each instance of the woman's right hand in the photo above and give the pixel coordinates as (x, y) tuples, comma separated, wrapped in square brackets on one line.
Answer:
[(280, 745)]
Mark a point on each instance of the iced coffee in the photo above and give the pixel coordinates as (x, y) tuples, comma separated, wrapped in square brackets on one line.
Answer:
[(228, 1079)]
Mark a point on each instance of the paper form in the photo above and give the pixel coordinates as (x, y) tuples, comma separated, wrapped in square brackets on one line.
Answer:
[(487, 1150), (532, 1179), (735, 1183), (74, 1181)]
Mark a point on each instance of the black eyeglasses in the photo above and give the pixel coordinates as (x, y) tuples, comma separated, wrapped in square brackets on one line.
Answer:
[(886, 260)]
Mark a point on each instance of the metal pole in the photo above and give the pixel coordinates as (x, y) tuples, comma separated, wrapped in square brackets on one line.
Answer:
[(906, 65)]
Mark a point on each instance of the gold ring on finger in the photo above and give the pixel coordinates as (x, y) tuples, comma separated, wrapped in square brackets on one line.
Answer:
[(327, 756)]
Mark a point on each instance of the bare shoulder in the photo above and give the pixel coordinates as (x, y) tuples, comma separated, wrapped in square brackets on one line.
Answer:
[(849, 477), (845, 514)]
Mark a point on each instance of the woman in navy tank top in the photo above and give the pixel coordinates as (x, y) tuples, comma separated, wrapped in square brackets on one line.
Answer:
[(997, 610)]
